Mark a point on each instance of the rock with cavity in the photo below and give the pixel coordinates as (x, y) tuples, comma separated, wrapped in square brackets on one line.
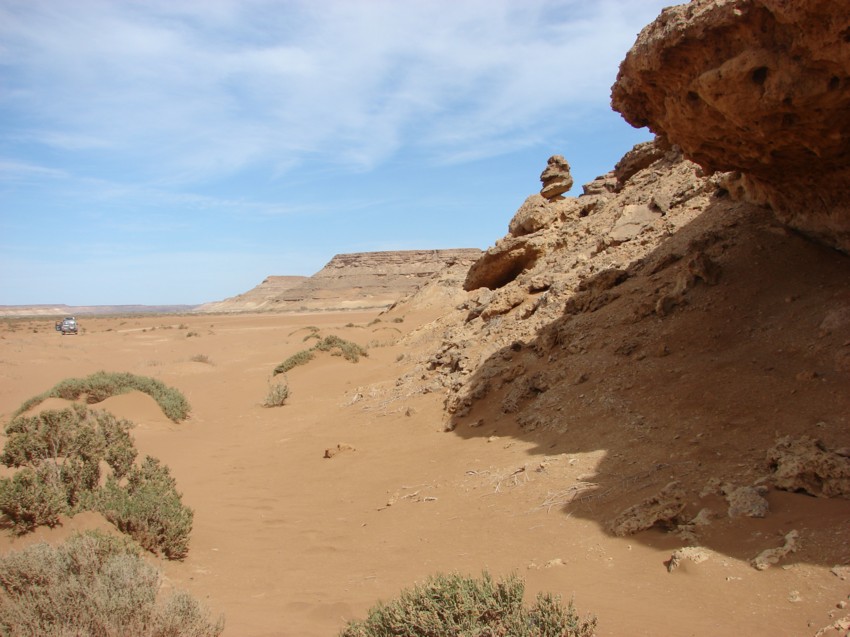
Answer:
[(760, 87), (806, 464)]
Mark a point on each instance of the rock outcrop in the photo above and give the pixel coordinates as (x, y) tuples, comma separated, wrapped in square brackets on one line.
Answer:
[(759, 87)]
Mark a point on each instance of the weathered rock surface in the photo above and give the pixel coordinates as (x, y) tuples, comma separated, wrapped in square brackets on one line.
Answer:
[(769, 557), (746, 502), (761, 87), (556, 178), (358, 280), (805, 464), (662, 508)]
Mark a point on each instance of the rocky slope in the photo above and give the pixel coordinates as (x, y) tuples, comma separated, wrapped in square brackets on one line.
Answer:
[(260, 298), (675, 323), (357, 280)]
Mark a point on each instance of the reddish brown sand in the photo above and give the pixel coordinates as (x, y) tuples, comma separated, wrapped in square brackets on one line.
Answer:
[(288, 542)]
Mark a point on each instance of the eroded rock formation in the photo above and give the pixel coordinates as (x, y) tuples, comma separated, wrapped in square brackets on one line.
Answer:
[(556, 178), (760, 87)]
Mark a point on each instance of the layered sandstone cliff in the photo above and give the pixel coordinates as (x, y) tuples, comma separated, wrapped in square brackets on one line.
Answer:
[(359, 280), (760, 87)]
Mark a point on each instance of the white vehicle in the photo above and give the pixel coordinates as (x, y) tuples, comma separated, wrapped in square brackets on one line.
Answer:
[(68, 326)]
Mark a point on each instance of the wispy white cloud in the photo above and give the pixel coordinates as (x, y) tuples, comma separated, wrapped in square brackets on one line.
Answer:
[(194, 90), (17, 170)]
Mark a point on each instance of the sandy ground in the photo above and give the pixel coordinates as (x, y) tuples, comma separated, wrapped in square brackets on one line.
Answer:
[(287, 542)]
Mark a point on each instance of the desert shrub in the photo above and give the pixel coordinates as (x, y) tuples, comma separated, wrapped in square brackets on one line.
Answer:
[(347, 349), (457, 606), (95, 585), (334, 344), (33, 498), (191, 334), (277, 395), (298, 358), (309, 336), (60, 451), (75, 434), (149, 509), (201, 358), (101, 385)]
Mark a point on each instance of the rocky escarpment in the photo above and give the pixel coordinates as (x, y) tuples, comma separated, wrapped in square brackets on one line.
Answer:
[(759, 87), (360, 280)]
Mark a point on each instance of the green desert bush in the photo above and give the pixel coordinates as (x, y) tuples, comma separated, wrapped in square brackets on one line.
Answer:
[(277, 395), (298, 358), (65, 436), (59, 453), (458, 606), (148, 508), (349, 350), (101, 385), (334, 344), (93, 585), (32, 498)]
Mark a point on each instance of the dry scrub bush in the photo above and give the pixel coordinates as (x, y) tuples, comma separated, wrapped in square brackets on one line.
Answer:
[(457, 606), (93, 585), (101, 385), (277, 395)]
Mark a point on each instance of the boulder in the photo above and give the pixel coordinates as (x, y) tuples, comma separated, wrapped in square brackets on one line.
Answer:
[(761, 87), (556, 178)]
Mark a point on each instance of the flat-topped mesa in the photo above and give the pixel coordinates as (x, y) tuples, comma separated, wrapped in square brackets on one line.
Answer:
[(364, 280), (759, 87)]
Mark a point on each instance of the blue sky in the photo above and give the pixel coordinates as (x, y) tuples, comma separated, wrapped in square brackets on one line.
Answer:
[(179, 151)]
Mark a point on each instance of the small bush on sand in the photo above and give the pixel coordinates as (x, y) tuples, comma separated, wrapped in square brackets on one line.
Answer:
[(340, 347), (277, 395), (201, 358), (101, 385), (94, 584), (149, 509), (334, 344), (299, 358), (457, 606)]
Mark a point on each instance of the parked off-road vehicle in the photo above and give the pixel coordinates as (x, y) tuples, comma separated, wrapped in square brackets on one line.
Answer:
[(68, 326)]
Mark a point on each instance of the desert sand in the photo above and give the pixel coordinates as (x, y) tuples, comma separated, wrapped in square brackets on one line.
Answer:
[(287, 542)]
